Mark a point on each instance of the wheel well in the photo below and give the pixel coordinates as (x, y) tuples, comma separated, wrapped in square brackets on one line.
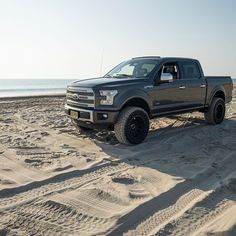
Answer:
[(138, 102), (219, 94)]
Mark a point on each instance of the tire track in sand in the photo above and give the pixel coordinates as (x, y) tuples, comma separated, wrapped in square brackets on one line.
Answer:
[(60, 183), (159, 211), (53, 218), (203, 212)]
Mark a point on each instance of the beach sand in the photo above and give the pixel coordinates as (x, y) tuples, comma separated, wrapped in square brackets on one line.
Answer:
[(56, 180)]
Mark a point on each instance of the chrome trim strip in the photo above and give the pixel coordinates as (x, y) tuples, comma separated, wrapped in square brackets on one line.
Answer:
[(80, 103), (79, 109), (83, 97)]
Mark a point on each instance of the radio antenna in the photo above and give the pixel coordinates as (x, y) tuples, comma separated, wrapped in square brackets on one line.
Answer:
[(101, 63)]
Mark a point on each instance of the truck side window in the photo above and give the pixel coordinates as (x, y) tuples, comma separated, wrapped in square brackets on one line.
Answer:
[(190, 70), (171, 68)]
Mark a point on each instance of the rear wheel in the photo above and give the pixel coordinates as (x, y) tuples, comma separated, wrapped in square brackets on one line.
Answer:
[(216, 112), (132, 125)]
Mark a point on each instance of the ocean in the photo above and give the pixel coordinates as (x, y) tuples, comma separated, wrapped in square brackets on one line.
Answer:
[(27, 87)]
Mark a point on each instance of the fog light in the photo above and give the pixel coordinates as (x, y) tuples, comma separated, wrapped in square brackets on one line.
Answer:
[(102, 116)]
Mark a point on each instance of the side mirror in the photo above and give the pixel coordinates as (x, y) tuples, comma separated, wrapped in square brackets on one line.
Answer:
[(166, 77)]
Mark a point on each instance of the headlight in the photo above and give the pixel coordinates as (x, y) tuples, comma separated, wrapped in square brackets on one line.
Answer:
[(107, 96)]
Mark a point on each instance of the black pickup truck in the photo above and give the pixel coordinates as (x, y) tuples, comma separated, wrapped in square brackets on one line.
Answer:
[(137, 90)]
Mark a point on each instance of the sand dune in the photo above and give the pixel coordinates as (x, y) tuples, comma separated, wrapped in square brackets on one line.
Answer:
[(56, 180)]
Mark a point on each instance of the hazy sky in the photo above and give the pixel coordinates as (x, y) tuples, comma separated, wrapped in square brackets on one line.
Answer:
[(66, 38)]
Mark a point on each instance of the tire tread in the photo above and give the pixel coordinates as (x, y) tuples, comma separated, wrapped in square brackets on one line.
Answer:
[(119, 127), (209, 114)]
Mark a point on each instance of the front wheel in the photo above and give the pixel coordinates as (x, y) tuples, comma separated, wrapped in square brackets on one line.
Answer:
[(132, 125), (216, 112)]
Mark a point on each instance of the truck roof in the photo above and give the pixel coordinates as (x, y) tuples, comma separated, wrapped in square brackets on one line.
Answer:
[(147, 57), (164, 58)]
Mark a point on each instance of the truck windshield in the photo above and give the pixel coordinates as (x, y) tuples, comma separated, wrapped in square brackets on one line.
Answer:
[(136, 68)]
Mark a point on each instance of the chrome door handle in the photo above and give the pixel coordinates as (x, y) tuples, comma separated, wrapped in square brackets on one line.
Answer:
[(181, 87), (148, 87), (202, 86)]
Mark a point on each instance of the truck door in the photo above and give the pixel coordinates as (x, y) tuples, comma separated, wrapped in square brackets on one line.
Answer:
[(168, 96), (195, 84)]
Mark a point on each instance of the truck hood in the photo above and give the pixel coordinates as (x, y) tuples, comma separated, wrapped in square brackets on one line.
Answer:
[(107, 82)]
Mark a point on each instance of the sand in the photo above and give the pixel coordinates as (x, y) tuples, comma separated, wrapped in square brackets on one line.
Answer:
[(57, 180)]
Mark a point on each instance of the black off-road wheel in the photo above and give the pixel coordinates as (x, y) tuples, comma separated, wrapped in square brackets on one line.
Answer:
[(216, 112), (132, 126)]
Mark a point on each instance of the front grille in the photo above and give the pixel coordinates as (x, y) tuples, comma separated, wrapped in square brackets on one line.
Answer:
[(80, 97)]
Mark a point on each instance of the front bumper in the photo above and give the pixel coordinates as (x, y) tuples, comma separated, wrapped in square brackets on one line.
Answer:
[(93, 118)]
